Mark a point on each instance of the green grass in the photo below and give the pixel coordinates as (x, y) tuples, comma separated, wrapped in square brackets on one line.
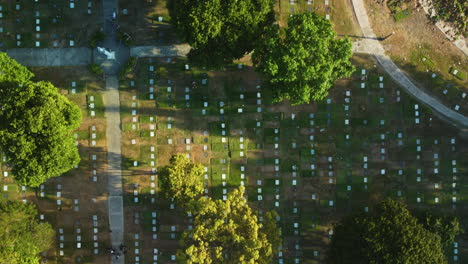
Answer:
[(402, 14), (313, 216), (460, 75)]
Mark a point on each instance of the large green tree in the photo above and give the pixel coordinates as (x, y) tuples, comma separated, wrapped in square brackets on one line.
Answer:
[(220, 31), (182, 179), (302, 61), (387, 234), (229, 232), (36, 126), (22, 236), (446, 225)]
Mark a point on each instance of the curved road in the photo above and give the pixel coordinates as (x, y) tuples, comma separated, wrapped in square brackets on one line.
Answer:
[(373, 46)]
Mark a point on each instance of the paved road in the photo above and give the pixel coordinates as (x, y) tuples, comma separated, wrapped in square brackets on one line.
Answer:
[(51, 57), (374, 47)]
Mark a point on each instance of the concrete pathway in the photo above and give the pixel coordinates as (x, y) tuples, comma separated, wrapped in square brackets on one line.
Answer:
[(160, 51), (374, 47), (114, 161), (51, 57), (113, 131)]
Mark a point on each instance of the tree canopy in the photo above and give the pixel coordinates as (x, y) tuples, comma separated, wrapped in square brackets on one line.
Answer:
[(36, 128), (447, 226), (230, 232), (301, 62), (388, 234), (22, 236), (182, 179), (220, 31)]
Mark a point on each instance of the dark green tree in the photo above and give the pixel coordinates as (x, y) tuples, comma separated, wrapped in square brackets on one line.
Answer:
[(229, 232), (447, 226), (22, 236), (387, 234), (302, 62), (220, 31), (36, 126)]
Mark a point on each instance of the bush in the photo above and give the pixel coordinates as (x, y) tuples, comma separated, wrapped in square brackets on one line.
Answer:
[(124, 38), (399, 15), (94, 68), (396, 5), (128, 67), (95, 38)]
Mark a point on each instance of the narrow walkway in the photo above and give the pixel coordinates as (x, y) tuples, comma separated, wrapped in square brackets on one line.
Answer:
[(374, 47), (51, 57), (114, 161), (160, 51), (113, 132)]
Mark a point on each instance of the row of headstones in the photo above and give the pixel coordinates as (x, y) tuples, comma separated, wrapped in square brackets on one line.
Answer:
[(155, 250), (79, 245), (331, 179), (294, 168), (134, 121), (416, 114), (454, 200), (454, 182), (463, 95), (152, 177), (38, 25), (91, 105), (151, 82), (5, 187), (436, 170), (79, 238), (93, 136), (152, 125)]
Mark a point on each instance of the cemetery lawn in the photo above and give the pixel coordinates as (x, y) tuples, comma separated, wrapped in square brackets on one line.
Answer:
[(419, 48), (311, 163), (81, 198), (340, 11), (58, 23)]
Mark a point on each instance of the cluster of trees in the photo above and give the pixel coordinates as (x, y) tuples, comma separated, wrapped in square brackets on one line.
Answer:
[(299, 63), (390, 234), (22, 236), (36, 125), (223, 231)]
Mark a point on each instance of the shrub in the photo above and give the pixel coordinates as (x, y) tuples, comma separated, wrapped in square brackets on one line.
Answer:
[(94, 68), (95, 38), (128, 67)]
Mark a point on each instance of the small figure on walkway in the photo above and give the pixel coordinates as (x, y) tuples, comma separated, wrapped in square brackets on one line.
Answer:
[(122, 246)]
